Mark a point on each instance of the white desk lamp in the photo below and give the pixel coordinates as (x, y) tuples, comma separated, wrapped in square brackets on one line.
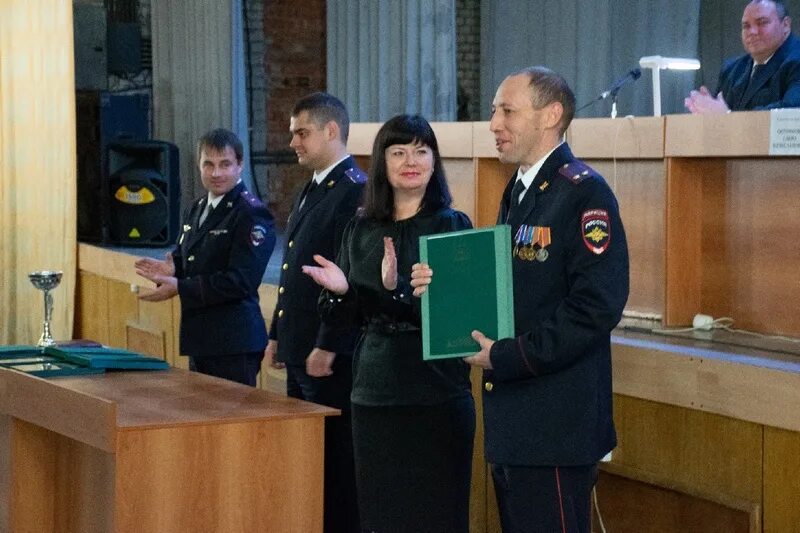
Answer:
[(657, 63)]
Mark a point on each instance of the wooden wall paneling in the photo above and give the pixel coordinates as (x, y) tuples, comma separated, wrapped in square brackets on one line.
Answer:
[(79, 416), (109, 264), (686, 209), (29, 503), (269, 378), (122, 307), (91, 313), (228, 453), (363, 161), (730, 135), (156, 318), (781, 481), (477, 506), (175, 358), (491, 178), (742, 383), (640, 187), (625, 138), (84, 488), (460, 175), (6, 468), (633, 502), (749, 257), (362, 135), (146, 341), (714, 455)]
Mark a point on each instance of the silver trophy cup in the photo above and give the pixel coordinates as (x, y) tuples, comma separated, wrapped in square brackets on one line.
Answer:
[(46, 281)]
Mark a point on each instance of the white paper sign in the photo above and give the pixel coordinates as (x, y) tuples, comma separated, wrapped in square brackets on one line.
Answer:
[(784, 132)]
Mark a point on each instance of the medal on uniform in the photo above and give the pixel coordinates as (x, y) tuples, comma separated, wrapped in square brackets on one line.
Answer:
[(518, 240), (523, 247), (542, 239)]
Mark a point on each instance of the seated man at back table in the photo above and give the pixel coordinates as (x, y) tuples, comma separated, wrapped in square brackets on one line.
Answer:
[(768, 76)]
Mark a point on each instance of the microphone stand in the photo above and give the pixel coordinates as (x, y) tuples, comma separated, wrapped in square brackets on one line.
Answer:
[(630, 77), (614, 104)]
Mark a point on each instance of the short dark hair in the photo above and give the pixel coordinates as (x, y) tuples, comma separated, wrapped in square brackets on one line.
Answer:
[(323, 108), (547, 87), (218, 139), (378, 193)]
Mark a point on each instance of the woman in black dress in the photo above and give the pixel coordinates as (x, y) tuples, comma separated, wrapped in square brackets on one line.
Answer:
[(413, 420)]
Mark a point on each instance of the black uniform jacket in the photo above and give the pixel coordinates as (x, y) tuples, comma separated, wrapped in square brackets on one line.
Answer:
[(316, 228), (774, 85), (219, 267), (548, 400)]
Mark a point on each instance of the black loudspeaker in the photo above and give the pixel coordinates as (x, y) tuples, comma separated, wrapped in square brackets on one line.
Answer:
[(143, 193)]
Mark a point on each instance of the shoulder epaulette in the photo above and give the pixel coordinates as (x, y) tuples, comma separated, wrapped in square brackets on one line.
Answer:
[(356, 175), (251, 199), (576, 171)]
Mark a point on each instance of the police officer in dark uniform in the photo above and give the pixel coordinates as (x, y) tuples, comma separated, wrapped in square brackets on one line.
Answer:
[(217, 267), (547, 392), (318, 359)]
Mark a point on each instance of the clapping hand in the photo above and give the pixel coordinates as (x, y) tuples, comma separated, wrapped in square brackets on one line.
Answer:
[(162, 273), (702, 101), (328, 275), (389, 265)]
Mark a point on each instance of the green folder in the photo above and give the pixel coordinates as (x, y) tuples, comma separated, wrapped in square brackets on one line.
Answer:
[(16, 350), (108, 358), (471, 290), (47, 367)]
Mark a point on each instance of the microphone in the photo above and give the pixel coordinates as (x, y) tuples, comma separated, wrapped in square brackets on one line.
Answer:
[(630, 77)]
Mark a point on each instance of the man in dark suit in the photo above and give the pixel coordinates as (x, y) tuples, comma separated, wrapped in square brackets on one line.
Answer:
[(317, 359), (217, 267), (768, 76), (547, 391)]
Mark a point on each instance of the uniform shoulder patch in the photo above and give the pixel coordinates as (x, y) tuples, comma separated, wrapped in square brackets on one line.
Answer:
[(258, 234), (596, 230), (251, 199), (576, 171), (356, 175)]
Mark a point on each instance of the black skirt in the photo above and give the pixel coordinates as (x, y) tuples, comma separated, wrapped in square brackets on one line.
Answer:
[(413, 466)]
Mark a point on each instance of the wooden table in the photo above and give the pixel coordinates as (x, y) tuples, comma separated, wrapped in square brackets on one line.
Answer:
[(162, 451)]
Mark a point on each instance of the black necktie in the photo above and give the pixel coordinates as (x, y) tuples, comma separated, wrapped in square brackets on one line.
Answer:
[(519, 186), (204, 217), (753, 74), (309, 189)]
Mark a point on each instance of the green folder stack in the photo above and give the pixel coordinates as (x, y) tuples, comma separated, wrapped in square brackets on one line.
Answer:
[(32, 360), (106, 358), (471, 290), (74, 359)]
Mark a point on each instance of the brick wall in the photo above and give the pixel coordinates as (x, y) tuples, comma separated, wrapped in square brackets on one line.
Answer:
[(468, 54), (295, 65)]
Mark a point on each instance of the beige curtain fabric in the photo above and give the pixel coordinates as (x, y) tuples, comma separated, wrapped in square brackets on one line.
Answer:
[(37, 165)]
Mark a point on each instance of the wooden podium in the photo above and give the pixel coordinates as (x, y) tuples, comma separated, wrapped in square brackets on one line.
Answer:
[(162, 451)]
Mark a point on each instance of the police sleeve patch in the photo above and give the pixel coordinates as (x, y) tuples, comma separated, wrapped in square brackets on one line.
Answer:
[(596, 230), (258, 234)]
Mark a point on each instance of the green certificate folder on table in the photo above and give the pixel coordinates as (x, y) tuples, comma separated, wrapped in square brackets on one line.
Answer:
[(471, 290), (106, 358)]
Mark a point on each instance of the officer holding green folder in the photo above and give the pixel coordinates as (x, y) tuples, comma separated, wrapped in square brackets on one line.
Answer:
[(547, 391)]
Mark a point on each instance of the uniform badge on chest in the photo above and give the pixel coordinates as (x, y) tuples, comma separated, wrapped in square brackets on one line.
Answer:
[(531, 242)]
